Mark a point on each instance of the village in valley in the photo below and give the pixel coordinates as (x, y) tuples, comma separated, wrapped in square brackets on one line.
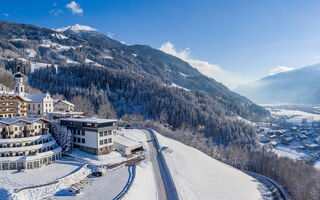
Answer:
[(295, 133), (48, 150)]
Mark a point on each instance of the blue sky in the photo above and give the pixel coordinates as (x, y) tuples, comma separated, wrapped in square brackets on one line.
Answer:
[(245, 40)]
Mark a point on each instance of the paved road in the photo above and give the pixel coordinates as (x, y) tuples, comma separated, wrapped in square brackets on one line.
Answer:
[(153, 158), (278, 193), (165, 184)]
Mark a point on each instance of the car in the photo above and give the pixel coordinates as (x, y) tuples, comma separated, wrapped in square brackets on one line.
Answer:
[(73, 190), (97, 174)]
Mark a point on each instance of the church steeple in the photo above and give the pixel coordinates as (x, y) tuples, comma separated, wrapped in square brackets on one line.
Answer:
[(19, 86)]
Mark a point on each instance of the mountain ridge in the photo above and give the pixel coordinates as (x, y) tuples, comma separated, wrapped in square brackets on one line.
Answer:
[(299, 86)]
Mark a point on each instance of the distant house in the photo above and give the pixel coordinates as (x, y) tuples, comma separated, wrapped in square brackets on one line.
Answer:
[(317, 139), (273, 143), (302, 136), (264, 139), (40, 104), (287, 140), (63, 106), (279, 132), (312, 146)]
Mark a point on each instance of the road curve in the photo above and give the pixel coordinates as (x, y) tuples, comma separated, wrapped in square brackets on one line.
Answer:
[(165, 184), (278, 192)]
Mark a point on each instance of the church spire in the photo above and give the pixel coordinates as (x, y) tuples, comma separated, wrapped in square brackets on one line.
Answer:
[(19, 86)]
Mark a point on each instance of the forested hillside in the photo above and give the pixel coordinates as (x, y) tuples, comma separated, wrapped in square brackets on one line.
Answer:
[(134, 94)]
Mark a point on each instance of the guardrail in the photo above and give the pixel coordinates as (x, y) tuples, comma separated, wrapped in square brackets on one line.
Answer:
[(281, 190)]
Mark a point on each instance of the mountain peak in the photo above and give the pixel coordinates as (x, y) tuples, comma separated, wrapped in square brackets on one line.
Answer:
[(76, 28)]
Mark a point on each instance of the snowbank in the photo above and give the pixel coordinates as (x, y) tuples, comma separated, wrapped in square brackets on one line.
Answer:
[(49, 190)]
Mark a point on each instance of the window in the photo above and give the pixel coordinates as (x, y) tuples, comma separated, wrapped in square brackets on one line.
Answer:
[(106, 141), (101, 142), (83, 140), (38, 105), (101, 134), (79, 140), (110, 140), (74, 139), (83, 132), (105, 133), (109, 132)]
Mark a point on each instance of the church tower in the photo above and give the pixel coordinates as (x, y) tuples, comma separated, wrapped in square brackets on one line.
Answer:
[(19, 86)]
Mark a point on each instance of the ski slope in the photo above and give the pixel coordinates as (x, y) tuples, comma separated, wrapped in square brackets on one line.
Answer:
[(198, 176)]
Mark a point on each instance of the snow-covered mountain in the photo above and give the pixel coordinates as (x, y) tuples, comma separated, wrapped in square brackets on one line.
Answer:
[(76, 28), (300, 86)]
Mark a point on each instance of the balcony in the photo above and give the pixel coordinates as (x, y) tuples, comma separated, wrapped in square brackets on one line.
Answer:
[(4, 133)]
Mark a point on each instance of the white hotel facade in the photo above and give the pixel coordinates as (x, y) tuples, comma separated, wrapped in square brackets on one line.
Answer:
[(25, 143)]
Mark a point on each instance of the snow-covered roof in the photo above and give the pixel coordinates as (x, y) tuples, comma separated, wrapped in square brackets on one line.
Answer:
[(63, 101), (35, 97), (125, 141), (89, 120), (24, 119), (15, 95)]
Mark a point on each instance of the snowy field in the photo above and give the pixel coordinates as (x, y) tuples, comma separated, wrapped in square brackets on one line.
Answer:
[(286, 151), (198, 176), (144, 186), (10, 180), (295, 116), (105, 159)]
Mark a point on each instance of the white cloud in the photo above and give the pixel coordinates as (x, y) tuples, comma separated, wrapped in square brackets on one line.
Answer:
[(206, 68), (280, 69), (5, 14), (75, 8), (110, 35)]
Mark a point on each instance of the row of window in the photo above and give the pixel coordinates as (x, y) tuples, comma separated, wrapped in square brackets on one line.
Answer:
[(79, 140), (20, 128), (105, 133), (105, 141), (78, 132)]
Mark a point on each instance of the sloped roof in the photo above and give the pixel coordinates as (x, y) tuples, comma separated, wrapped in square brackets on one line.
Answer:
[(24, 119), (36, 97), (67, 102)]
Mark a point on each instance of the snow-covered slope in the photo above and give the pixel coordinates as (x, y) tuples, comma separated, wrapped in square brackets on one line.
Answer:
[(198, 176)]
